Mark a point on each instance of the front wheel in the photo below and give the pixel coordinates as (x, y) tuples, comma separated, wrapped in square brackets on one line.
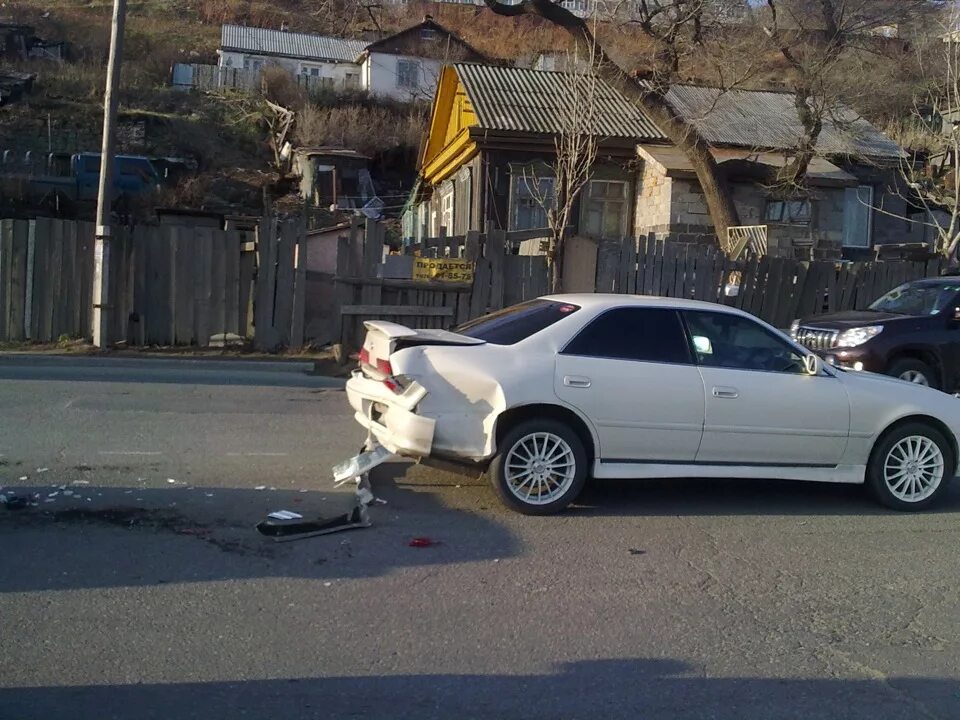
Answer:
[(914, 371), (911, 467), (540, 467)]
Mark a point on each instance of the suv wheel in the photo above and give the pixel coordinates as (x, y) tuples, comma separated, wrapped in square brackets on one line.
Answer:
[(540, 467), (911, 467), (915, 371)]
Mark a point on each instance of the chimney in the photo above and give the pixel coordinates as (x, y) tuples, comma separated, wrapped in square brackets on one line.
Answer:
[(428, 18)]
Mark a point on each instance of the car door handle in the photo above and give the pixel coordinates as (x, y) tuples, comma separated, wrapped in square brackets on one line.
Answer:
[(726, 392), (576, 381)]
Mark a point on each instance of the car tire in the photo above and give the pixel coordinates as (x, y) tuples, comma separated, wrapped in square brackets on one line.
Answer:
[(911, 467), (915, 371), (540, 467)]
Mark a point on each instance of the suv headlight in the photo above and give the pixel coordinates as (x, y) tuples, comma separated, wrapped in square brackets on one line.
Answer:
[(794, 328), (858, 336)]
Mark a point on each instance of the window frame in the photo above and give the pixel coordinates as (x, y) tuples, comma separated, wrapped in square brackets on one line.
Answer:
[(798, 349), (404, 75), (786, 215), (687, 341), (866, 207), (513, 206), (447, 214), (587, 199)]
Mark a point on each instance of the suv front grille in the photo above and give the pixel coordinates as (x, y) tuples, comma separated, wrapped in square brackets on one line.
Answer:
[(817, 339)]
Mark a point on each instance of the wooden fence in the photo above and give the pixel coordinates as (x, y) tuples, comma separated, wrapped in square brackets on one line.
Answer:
[(777, 290), (181, 285), (362, 293), (169, 285), (214, 77)]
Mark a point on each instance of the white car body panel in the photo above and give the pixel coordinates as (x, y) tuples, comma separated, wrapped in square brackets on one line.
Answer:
[(773, 418), (652, 410), (640, 416)]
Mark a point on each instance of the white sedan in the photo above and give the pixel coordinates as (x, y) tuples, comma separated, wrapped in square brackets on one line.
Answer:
[(550, 392)]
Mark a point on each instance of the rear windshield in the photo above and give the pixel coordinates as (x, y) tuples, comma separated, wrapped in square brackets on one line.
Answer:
[(516, 323)]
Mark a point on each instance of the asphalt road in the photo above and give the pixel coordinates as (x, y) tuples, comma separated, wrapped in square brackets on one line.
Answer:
[(137, 587)]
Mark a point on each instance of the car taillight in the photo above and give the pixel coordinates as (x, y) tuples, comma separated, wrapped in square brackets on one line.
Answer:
[(385, 367), (365, 356)]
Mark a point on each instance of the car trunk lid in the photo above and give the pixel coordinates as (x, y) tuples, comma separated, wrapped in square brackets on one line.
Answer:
[(385, 338)]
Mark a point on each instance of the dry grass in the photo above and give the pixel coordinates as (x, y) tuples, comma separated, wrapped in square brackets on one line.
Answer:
[(369, 129)]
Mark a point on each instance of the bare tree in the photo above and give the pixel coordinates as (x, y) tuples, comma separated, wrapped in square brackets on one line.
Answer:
[(665, 22), (575, 149), (932, 179), (814, 39)]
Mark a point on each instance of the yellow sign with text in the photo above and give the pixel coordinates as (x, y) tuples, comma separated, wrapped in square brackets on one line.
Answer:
[(442, 270)]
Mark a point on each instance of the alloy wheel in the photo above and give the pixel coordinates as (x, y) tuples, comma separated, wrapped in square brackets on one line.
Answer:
[(913, 469), (539, 468), (915, 376)]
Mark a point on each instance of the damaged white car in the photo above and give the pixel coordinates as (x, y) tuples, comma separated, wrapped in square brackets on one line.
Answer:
[(548, 393)]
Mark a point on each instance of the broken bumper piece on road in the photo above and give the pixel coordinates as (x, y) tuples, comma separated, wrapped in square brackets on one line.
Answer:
[(287, 530), (283, 528)]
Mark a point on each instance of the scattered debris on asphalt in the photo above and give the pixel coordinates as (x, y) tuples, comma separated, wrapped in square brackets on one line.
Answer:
[(43, 470), (636, 551), (287, 530), (15, 502)]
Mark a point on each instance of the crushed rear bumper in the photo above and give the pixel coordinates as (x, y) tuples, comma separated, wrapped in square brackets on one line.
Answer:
[(391, 418)]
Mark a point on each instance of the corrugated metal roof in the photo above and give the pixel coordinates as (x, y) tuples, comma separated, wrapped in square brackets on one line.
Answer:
[(526, 100), (755, 119), (262, 41)]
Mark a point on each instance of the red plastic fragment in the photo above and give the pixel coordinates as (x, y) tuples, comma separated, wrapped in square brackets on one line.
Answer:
[(422, 542)]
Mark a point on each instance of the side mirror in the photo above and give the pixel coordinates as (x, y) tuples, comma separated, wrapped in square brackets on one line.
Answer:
[(812, 365)]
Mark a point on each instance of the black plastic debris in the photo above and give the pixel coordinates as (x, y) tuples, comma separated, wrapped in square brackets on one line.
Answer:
[(288, 530), (16, 502)]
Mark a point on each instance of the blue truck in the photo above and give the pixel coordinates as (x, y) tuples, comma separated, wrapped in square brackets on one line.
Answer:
[(72, 181)]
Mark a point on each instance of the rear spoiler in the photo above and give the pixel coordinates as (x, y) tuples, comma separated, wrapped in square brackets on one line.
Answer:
[(407, 337)]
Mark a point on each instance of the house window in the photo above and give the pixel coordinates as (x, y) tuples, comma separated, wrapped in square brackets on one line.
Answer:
[(446, 211), (408, 74), (858, 216), (250, 63), (789, 212), (351, 80), (605, 209), (528, 195)]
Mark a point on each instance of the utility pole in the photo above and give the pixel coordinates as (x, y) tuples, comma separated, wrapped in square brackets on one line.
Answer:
[(101, 249)]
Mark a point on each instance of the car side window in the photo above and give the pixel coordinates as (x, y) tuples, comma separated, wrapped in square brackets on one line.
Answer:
[(731, 341), (643, 334)]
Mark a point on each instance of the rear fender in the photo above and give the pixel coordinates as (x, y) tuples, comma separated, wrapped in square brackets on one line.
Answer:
[(463, 398)]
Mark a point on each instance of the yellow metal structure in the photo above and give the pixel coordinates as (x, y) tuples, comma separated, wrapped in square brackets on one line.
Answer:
[(449, 144)]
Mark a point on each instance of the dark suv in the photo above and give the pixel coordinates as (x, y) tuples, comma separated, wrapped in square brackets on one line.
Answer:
[(912, 332)]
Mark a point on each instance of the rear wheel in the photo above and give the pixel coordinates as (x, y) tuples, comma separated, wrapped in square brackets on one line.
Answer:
[(911, 467), (540, 467), (914, 371)]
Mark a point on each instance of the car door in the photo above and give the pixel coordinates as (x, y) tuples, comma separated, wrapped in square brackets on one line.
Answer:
[(762, 408), (631, 373)]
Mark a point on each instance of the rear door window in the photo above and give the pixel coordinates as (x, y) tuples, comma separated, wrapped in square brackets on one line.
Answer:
[(518, 322), (642, 334)]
